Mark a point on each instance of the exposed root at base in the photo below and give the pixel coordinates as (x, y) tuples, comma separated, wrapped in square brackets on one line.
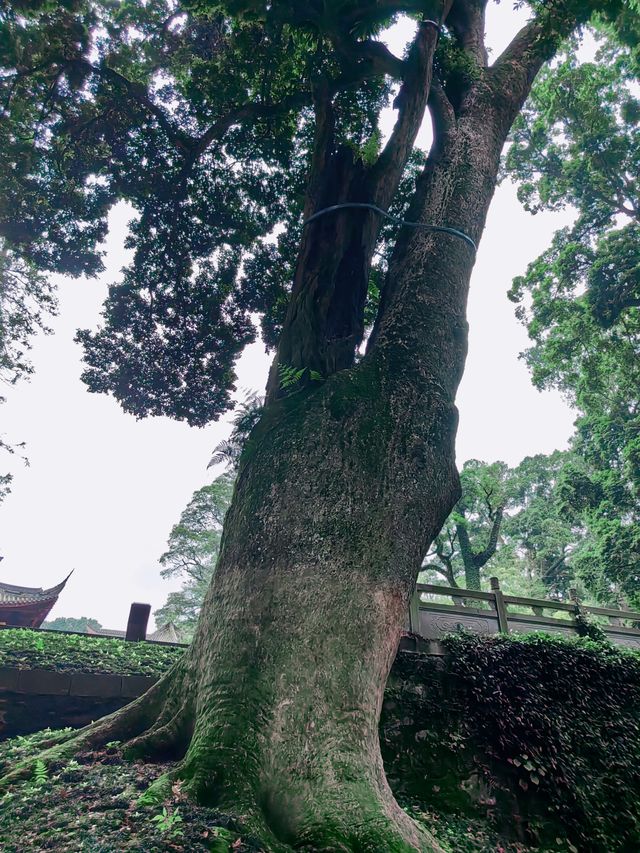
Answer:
[(121, 725), (353, 817)]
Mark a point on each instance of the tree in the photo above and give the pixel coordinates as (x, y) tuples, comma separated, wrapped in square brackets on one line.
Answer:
[(26, 300), (541, 532), (194, 544), (516, 520), (469, 538), (71, 623), (577, 144), (219, 121)]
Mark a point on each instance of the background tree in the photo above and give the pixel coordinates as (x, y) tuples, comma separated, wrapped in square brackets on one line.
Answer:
[(193, 550), (541, 534), (577, 143), (512, 523), (72, 623), (470, 535), (218, 121)]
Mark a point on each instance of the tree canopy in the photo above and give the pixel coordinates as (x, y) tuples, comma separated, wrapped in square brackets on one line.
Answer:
[(577, 144), (192, 552), (202, 123)]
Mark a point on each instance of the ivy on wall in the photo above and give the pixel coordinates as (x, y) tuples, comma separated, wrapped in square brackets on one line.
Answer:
[(540, 733)]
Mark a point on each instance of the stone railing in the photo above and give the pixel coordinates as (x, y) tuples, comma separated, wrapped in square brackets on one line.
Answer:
[(494, 612)]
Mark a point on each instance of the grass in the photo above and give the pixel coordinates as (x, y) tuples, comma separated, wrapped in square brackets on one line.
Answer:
[(24, 649)]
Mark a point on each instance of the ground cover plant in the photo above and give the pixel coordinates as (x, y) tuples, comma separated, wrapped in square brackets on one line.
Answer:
[(92, 804), (21, 648), (505, 744), (540, 732), (234, 129)]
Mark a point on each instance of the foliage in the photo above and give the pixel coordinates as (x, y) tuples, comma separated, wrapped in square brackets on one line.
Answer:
[(40, 774), (192, 553), (577, 143), (247, 415), (25, 649), (26, 300), (71, 623), (543, 733), (512, 523), (5, 485), (169, 822), (542, 534), (201, 122)]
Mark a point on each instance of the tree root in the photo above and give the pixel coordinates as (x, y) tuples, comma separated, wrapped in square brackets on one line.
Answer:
[(357, 813), (121, 725), (168, 737)]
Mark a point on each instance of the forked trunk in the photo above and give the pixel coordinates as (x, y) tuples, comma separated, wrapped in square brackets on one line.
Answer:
[(341, 490), (342, 487)]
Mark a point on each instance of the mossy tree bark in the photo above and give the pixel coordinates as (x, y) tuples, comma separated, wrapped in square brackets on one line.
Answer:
[(342, 487)]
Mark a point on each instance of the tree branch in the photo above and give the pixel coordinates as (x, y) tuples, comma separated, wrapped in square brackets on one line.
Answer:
[(322, 143), (467, 22), (447, 565), (138, 93), (186, 144), (483, 557), (383, 9), (411, 102), (249, 110), (515, 69), (443, 117), (376, 55)]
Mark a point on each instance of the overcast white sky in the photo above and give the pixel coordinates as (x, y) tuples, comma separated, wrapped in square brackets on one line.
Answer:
[(103, 490)]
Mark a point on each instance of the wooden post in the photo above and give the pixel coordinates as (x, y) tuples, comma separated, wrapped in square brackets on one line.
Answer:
[(573, 595), (414, 613), (137, 624), (501, 607)]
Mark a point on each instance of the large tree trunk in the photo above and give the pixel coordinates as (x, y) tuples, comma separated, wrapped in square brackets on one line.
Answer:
[(300, 628), (342, 487)]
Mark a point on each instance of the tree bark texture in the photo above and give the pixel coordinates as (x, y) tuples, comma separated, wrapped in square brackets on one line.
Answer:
[(342, 487)]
